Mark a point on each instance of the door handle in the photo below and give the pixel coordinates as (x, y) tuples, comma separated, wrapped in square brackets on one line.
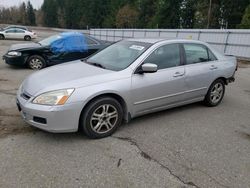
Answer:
[(178, 74), (213, 67)]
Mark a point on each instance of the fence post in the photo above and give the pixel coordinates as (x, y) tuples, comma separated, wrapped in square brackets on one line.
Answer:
[(177, 33), (226, 43), (199, 34)]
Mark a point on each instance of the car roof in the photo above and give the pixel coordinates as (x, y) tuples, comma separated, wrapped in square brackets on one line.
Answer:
[(156, 40), (16, 26)]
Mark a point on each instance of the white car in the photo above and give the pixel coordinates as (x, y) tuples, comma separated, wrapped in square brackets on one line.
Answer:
[(16, 33)]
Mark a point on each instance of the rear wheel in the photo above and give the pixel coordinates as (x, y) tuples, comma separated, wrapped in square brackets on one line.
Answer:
[(215, 93), (36, 62), (27, 38), (101, 117), (2, 37)]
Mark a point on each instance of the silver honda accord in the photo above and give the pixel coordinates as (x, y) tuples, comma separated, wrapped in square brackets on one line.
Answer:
[(127, 79)]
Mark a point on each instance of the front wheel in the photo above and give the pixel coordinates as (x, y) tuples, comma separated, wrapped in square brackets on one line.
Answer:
[(2, 37), (36, 62), (101, 117), (215, 93)]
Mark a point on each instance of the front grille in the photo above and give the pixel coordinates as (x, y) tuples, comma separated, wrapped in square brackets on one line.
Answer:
[(25, 96)]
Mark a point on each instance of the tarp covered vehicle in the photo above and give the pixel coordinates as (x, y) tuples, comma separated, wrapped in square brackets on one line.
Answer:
[(60, 48)]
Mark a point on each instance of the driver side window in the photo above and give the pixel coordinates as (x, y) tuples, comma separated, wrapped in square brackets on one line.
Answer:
[(165, 56)]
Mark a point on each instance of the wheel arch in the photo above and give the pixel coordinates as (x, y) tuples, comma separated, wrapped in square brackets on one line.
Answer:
[(31, 53), (223, 79), (119, 98)]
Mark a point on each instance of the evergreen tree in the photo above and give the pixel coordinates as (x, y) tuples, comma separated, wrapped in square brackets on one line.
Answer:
[(49, 9), (168, 14), (187, 13), (147, 10), (245, 23), (31, 17)]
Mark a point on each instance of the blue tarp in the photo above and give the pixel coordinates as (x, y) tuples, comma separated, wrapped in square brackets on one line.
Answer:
[(69, 42)]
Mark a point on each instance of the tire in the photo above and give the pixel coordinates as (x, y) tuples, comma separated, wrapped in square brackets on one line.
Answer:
[(215, 93), (36, 62), (2, 37), (105, 111), (27, 38)]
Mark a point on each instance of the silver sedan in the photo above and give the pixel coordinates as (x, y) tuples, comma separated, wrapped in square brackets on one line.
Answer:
[(17, 33), (128, 79)]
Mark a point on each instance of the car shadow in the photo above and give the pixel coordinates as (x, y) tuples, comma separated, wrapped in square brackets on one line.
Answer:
[(134, 122)]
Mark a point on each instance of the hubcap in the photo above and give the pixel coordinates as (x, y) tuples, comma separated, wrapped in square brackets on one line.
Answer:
[(36, 63), (104, 118), (216, 93)]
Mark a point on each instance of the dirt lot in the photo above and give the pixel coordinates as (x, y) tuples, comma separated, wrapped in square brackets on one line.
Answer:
[(190, 146)]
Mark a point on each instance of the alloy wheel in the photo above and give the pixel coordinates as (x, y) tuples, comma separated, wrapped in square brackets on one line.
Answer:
[(104, 118), (36, 64), (217, 93)]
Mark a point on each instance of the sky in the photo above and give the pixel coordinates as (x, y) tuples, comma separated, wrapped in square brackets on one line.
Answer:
[(7, 3)]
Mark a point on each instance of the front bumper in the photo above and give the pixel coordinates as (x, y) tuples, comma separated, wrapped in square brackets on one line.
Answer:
[(50, 118), (14, 60)]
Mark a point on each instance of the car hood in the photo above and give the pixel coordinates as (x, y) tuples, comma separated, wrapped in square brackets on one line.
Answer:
[(69, 75), (24, 46)]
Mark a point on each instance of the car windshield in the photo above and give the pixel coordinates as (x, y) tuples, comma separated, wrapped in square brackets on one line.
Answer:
[(119, 55), (49, 40)]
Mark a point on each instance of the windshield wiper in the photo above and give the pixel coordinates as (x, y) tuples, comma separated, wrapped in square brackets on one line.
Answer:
[(96, 64)]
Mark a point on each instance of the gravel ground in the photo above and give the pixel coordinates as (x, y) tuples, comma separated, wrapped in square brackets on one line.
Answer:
[(190, 146)]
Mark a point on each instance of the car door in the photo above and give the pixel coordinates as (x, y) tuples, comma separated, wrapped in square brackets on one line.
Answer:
[(200, 64), (10, 34), (166, 87), (20, 33)]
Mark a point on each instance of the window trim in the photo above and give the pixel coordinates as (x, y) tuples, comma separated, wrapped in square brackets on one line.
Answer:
[(96, 42), (197, 44), (182, 60), (7, 31)]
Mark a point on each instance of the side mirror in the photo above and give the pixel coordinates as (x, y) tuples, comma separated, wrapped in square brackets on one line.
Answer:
[(149, 68)]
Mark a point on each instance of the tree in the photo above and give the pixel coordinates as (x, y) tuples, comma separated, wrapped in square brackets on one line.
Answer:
[(232, 12), (245, 23), (23, 13), (31, 17), (168, 14), (187, 13), (49, 9), (127, 17), (112, 9), (147, 10)]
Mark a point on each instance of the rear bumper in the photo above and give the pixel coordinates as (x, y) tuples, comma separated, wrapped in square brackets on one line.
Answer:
[(230, 80)]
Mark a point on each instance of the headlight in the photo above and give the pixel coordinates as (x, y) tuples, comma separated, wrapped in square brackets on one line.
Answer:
[(13, 53), (58, 97)]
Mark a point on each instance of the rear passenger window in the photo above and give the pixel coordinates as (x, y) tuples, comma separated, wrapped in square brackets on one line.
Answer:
[(211, 56), (196, 53), (19, 31), (90, 41), (165, 56)]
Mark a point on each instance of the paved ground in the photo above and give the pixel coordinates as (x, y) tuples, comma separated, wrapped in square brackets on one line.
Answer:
[(191, 146)]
